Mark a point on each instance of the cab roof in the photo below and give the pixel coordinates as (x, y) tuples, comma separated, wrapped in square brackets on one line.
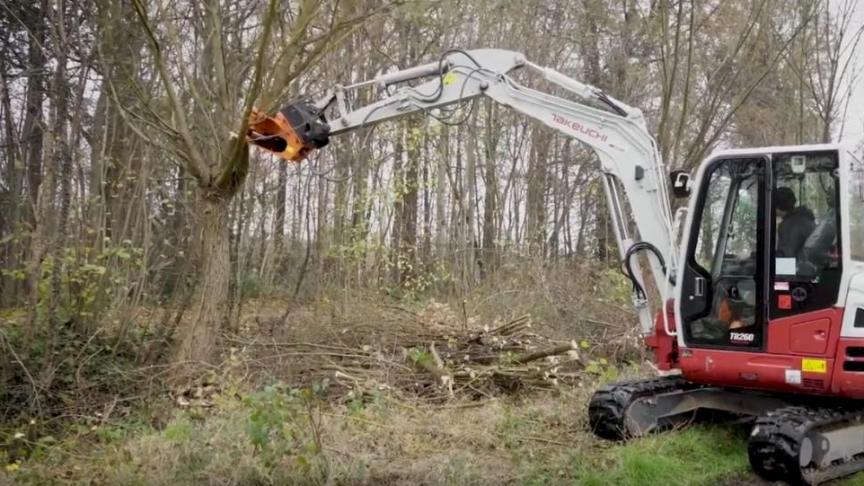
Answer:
[(777, 149)]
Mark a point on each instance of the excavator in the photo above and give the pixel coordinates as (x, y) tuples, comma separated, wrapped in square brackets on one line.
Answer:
[(759, 276)]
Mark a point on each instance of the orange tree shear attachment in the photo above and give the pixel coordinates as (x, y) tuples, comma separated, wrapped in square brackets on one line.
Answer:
[(295, 131)]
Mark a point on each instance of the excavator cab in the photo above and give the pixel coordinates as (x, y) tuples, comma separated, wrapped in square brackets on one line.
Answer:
[(758, 276), (292, 133), (768, 314)]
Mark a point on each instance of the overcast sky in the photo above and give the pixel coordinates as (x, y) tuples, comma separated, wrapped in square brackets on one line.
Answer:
[(853, 133)]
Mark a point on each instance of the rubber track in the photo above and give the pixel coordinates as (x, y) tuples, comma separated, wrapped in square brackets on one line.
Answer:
[(776, 441), (608, 407)]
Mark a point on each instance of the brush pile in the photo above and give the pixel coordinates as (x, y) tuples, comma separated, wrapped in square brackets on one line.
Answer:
[(506, 358), (434, 354)]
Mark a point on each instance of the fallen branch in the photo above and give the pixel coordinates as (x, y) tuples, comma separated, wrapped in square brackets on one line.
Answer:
[(545, 353), (513, 326)]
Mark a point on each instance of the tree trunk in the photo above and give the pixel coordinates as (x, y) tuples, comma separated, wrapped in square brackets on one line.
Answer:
[(210, 305), (340, 193), (441, 194), (535, 207), (602, 225), (33, 120), (398, 203), (490, 199), (116, 162), (322, 243), (360, 194), (9, 199), (408, 235), (469, 201), (427, 204), (33, 138), (279, 219)]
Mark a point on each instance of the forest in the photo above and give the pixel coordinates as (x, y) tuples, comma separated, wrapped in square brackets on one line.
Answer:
[(430, 300)]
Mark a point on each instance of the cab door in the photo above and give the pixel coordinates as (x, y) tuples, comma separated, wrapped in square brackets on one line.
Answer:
[(723, 284), (806, 258)]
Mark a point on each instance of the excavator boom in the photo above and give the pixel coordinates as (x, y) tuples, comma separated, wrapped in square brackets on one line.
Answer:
[(628, 155)]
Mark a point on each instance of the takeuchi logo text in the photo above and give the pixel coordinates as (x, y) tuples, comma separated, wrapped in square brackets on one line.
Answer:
[(575, 125)]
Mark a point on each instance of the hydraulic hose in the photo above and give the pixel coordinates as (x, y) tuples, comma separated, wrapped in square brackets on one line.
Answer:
[(628, 269)]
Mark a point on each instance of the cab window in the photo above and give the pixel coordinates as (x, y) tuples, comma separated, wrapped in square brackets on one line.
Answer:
[(856, 208), (806, 260)]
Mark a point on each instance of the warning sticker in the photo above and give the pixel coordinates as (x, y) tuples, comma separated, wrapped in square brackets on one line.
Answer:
[(793, 377), (811, 365), (449, 79)]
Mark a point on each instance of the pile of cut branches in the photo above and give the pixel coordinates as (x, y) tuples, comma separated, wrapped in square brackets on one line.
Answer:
[(432, 354), (506, 358)]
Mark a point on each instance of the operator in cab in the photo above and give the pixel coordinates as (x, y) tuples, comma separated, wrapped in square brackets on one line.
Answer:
[(796, 225)]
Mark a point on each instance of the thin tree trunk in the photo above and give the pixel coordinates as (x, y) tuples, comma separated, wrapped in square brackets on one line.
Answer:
[(535, 211), (279, 219), (490, 199), (427, 203), (321, 236), (398, 211), (468, 206), (33, 120), (441, 194), (9, 200)]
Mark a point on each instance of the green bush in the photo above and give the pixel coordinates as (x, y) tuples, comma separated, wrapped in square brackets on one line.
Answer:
[(251, 287)]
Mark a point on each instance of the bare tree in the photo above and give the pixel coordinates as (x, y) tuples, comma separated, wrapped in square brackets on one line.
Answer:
[(831, 77), (203, 111)]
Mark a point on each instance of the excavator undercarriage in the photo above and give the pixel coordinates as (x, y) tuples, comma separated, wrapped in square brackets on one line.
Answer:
[(793, 439)]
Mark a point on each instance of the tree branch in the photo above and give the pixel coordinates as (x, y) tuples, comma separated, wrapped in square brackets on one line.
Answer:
[(195, 161)]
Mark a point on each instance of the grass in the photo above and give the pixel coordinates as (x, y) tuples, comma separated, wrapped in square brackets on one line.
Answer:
[(282, 436), (857, 480), (694, 456), (271, 439)]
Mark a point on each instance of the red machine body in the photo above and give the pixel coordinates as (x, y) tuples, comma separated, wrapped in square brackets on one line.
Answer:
[(805, 354)]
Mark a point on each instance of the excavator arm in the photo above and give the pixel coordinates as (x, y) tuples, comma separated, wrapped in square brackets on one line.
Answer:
[(628, 154)]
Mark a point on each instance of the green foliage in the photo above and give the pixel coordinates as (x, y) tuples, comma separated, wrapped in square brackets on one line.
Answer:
[(356, 250), (420, 357), (695, 456), (112, 433), (14, 273), (359, 404), (417, 281), (89, 279), (602, 368), (178, 431), (272, 436), (610, 285), (282, 423), (251, 287), (87, 367), (856, 480)]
